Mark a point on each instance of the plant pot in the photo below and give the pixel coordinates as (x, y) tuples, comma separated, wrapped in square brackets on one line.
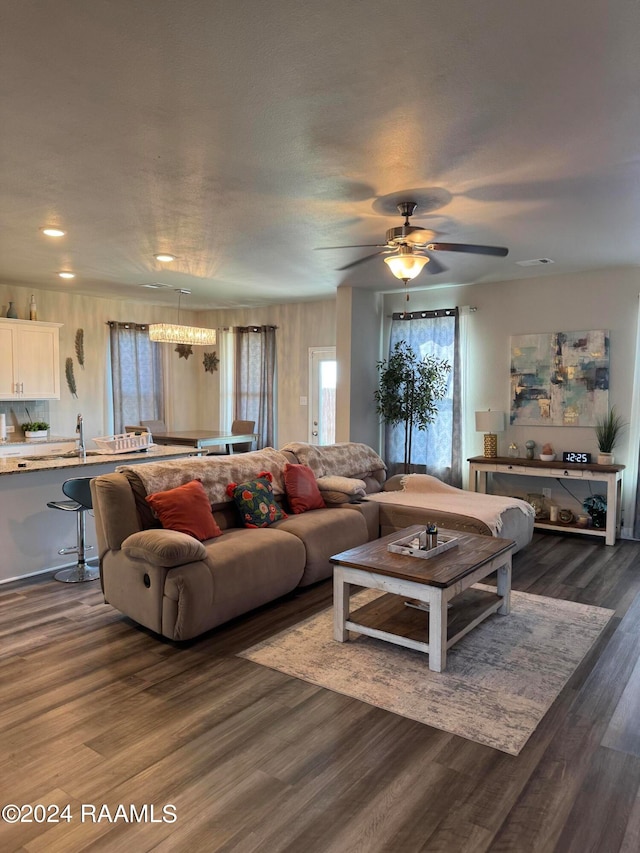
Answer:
[(605, 458), (38, 433)]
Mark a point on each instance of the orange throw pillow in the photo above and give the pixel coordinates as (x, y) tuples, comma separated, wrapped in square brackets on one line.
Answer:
[(186, 509), (302, 489)]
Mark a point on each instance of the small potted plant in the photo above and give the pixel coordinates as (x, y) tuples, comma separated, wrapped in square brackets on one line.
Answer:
[(547, 454), (608, 429), (35, 429)]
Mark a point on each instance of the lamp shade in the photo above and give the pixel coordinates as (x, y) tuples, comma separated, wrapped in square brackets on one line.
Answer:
[(490, 421), (406, 265)]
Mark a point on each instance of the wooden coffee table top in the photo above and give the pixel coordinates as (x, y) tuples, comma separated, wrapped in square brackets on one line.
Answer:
[(443, 570)]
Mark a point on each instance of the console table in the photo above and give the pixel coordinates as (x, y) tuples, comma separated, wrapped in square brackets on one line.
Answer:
[(611, 475)]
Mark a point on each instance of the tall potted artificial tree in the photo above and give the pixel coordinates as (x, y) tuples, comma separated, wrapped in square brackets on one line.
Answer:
[(409, 390)]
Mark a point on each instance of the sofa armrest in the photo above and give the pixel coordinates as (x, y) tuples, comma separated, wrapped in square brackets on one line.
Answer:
[(167, 548)]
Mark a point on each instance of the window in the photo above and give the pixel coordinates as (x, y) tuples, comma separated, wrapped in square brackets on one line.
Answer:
[(436, 450), (136, 375)]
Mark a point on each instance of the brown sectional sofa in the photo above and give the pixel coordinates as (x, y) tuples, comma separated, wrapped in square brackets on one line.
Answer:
[(180, 587)]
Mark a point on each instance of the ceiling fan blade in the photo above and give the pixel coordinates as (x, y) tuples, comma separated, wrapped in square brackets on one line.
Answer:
[(362, 260), (358, 246), (498, 251), (434, 266)]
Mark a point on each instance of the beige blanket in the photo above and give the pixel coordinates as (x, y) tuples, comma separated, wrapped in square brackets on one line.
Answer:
[(345, 459), (423, 490), (215, 473)]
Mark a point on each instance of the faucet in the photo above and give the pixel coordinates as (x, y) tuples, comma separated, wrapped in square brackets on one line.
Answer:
[(82, 450)]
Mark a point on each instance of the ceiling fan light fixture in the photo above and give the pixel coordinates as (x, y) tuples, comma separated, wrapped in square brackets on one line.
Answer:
[(405, 265)]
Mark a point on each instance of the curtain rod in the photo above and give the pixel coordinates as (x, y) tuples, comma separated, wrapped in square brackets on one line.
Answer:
[(421, 315), (116, 324), (436, 312), (253, 328)]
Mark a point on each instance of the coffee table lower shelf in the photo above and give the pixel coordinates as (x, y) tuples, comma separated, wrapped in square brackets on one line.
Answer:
[(390, 618)]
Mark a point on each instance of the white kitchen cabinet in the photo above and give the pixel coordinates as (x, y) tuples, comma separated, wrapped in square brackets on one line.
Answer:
[(29, 360)]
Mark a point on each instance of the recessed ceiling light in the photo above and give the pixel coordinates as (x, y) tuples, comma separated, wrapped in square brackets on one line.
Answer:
[(50, 231), (156, 285), (164, 258), (65, 274)]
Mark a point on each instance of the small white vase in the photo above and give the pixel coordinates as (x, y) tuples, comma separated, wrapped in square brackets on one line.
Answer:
[(605, 458)]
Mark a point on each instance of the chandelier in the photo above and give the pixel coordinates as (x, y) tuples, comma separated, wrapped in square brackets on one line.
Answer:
[(174, 333)]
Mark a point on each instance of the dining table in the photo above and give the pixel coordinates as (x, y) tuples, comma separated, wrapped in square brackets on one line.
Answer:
[(202, 438)]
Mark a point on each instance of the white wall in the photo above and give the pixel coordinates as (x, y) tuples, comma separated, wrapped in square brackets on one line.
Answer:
[(603, 299), (359, 324), (193, 394), (91, 314), (301, 325)]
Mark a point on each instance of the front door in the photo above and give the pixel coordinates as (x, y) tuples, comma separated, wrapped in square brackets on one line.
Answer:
[(322, 395)]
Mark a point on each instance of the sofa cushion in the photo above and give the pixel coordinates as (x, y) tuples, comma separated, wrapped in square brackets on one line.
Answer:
[(325, 532), (167, 548), (256, 502), (339, 490), (185, 509), (244, 569), (301, 487)]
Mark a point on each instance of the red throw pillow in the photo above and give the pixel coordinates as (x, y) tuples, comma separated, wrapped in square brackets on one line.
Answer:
[(302, 489), (186, 509)]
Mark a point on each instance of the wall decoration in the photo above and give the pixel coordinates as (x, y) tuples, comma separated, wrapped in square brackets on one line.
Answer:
[(184, 351), (560, 378), (71, 379), (80, 347), (210, 361)]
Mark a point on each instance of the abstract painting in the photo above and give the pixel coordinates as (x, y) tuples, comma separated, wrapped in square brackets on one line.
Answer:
[(560, 378)]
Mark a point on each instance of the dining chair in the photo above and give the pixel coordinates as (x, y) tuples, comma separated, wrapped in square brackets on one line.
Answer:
[(237, 428), (154, 426)]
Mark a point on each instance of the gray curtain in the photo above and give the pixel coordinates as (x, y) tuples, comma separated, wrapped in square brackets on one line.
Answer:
[(136, 375), (436, 450), (255, 378)]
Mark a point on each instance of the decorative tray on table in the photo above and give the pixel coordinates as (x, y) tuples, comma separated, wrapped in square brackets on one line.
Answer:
[(414, 546)]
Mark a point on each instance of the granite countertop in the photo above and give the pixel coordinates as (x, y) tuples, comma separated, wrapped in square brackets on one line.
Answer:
[(50, 439), (26, 464)]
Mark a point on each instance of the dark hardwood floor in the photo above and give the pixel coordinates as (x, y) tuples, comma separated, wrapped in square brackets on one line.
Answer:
[(95, 710)]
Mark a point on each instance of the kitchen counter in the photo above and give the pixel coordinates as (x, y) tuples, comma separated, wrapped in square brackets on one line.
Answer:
[(30, 532), (34, 442), (26, 464)]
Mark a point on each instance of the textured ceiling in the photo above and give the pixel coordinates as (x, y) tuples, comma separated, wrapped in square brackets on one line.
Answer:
[(242, 136)]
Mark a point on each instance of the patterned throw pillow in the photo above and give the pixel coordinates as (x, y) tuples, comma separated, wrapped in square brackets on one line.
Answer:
[(186, 509), (256, 502)]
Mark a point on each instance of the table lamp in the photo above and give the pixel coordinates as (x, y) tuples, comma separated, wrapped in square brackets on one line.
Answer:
[(490, 423)]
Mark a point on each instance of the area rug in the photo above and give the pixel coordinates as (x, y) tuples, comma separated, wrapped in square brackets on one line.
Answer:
[(500, 679)]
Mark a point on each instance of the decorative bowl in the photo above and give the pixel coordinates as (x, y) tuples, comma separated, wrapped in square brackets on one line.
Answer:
[(547, 457)]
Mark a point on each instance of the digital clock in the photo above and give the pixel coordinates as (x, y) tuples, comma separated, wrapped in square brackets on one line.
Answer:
[(575, 456)]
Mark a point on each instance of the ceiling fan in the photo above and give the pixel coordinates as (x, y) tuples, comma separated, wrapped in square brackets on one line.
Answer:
[(412, 246)]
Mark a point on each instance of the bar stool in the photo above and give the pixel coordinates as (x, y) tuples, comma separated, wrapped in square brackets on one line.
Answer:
[(79, 492)]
